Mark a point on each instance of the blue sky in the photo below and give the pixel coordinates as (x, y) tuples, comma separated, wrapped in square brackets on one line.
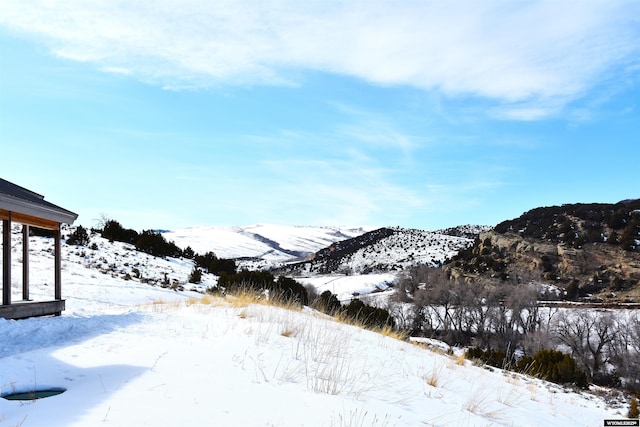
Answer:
[(424, 114)]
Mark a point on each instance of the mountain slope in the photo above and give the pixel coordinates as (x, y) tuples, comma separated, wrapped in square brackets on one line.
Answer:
[(384, 250), (271, 243), (357, 250)]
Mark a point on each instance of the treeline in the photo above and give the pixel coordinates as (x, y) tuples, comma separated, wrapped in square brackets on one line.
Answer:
[(155, 244), (505, 318), (148, 241), (579, 224)]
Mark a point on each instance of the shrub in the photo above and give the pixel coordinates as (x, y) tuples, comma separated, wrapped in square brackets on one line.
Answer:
[(204, 261), (633, 408), (195, 276), (259, 280), (41, 232), (490, 357), (79, 237), (327, 303), (188, 253), (215, 265), (356, 312), (155, 244), (113, 231), (290, 289), (367, 315), (554, 366), (222, 266), (284, 289)]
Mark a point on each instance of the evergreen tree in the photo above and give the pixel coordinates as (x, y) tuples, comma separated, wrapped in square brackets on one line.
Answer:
[(188, 253), (195, 276), (155, 244), (291, 290), (554, 366), (328, 303), (629, 236), (113, 231), (79, 237)]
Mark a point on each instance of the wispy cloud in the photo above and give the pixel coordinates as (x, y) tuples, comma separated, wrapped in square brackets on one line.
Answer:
[(532, 58), (375, 130), (339, 191)]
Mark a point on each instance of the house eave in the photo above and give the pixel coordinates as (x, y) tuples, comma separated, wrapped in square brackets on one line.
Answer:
[(51, 212)]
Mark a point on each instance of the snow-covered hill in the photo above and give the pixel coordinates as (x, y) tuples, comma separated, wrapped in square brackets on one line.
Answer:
[(382, 250), (326, 249), (264, 244), (130, 353)]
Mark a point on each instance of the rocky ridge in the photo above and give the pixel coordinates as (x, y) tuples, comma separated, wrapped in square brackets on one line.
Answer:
[(576, 248)]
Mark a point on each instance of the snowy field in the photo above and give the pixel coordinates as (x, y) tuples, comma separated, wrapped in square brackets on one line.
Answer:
[(268, 241), (132, 354), (348, 287)]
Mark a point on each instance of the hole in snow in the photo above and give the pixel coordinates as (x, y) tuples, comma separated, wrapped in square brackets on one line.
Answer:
[(34, 394)]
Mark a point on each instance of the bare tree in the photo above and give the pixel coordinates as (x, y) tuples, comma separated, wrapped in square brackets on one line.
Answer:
[(523, 302), (436, 300), (503, 334), (401, 313), (543, 337), (412, 280), (473, 311), (588, 335), (625, 350)]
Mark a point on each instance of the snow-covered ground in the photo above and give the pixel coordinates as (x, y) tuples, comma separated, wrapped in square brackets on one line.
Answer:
[(406, 248), (274, 243), (132, 354), (348, 287)]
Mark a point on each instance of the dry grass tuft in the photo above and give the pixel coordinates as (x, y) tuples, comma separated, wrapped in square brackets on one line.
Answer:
[(288, 333), (245, 296), (461, 359), (390, 332), (205, 300), (160, 305), (476, 402), (210, 300), (433, 378), (387, 331), (358, 418)]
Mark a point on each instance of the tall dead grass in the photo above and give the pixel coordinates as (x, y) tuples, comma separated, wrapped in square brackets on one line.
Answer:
[(245, 296), (386, 330)]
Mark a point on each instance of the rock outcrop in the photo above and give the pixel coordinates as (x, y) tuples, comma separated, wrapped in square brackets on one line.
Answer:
[(590, 251)]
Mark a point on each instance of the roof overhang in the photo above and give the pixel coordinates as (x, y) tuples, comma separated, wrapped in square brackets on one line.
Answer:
[(38, 215)]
